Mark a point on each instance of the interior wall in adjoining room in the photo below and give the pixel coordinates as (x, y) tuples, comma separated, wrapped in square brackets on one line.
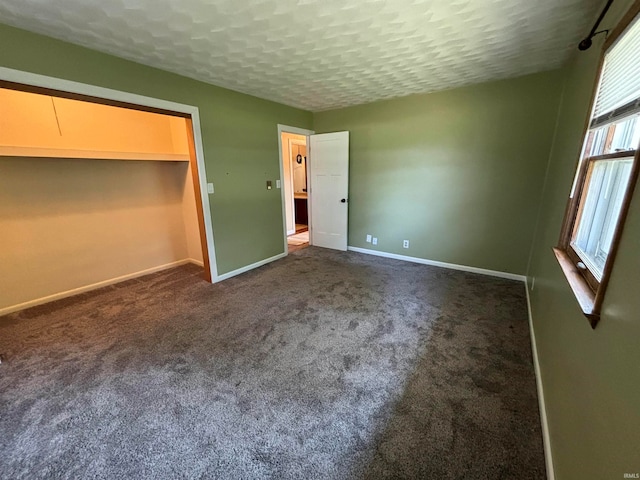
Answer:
[(299, 173), (287, 180), (591, 377), (69, 223), (457, 173)]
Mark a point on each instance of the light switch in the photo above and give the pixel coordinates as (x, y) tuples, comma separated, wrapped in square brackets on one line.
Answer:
[(278, 184), (268, 184), (209, 187)]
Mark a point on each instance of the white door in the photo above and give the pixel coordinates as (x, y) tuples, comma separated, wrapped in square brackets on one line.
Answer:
[(329, 175)]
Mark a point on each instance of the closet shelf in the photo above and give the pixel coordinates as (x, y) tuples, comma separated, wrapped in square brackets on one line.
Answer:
[(34, 152)]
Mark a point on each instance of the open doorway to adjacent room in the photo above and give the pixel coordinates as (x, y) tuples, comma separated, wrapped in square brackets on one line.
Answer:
[(295, 186)]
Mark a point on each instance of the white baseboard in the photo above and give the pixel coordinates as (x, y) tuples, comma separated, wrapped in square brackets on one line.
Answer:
[(434, 263), (291, 232), (94, 286), (233, 273), (200, 263), (546, 440)]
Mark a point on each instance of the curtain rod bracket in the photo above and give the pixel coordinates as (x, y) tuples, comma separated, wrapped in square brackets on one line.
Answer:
[(586, 43)]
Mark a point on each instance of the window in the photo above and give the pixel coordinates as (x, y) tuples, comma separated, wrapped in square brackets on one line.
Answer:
[(607, 173)]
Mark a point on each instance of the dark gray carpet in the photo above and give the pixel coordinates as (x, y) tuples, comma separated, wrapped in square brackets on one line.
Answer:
[(324, 365)]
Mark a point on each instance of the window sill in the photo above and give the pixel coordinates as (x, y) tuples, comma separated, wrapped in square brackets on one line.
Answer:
[(583, 293)]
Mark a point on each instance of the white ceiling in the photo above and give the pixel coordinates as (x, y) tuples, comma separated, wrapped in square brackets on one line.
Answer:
[(322, 54)]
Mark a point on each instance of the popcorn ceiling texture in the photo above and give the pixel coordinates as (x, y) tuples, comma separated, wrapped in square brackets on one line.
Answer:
[(321, 54)]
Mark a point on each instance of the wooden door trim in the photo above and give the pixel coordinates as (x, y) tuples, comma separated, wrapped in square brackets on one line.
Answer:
[(193, 162)]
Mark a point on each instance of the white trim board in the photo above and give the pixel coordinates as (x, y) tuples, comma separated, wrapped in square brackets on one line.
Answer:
[(546, 439), (434, 263), (245, 269), (26, 78), (95, 286)]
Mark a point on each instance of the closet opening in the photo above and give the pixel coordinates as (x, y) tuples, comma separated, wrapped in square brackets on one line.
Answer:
[(93, 191)]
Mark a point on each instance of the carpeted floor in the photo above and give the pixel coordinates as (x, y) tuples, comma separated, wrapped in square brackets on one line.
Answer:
[(323, 365)]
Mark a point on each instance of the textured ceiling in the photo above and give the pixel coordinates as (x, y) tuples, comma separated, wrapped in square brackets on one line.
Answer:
[(321, 54)]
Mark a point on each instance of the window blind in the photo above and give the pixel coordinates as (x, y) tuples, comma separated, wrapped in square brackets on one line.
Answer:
[(619, 89)]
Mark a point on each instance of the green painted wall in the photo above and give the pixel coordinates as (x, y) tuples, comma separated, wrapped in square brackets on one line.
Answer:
[(591, 377), (458, 173), (239, 135)]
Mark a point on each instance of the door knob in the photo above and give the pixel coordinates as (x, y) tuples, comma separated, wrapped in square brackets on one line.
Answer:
[(344, 200)]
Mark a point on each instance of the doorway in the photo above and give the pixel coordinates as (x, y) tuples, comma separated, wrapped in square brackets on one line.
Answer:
[(298, 180), (294, 162), (326, 181)]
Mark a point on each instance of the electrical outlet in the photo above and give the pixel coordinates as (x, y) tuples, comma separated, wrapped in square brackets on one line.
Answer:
[(278, 184), (368, 238), (374, 240), (405, 244)]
